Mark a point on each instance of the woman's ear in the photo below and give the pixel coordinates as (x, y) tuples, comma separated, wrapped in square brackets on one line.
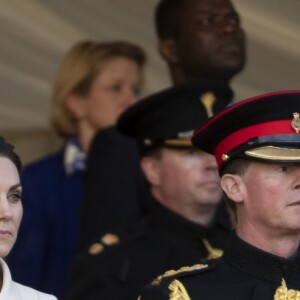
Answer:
[(233, 186), (168, 51), (150, 167), (76, 105)]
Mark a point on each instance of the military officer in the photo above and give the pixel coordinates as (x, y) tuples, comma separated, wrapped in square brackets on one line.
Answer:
[(183, 225), (257, 146)]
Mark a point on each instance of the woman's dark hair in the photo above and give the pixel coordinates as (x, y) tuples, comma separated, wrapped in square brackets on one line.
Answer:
[(7, 151)]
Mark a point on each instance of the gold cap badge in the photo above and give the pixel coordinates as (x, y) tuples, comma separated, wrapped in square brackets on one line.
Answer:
[(296, 122)]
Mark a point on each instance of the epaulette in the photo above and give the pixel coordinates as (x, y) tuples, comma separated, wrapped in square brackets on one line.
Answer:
[(117, 238), (183, 272), (170, 283)]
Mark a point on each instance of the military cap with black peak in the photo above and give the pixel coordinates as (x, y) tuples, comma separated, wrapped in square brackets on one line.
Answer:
[(170, 117), (264, 128)]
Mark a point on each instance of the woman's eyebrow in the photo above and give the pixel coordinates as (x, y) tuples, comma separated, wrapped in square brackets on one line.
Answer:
[(15, 186)]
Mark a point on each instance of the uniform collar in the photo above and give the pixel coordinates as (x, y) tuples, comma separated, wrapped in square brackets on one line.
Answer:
[(164, 219), (259, 263)]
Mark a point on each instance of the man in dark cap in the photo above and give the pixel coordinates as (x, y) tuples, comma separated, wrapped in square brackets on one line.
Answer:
[(257, 146), (200, 39), (181, 227)]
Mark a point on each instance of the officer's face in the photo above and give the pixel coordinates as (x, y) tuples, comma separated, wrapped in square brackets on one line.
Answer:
[(271, 200), (187, 180), (211, 40)]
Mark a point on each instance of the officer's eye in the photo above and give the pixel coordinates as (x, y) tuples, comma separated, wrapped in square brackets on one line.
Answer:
[(283, 169), (192, 151)]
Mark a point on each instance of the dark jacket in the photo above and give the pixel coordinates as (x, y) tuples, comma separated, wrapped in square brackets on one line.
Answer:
[(114, 189), (244, 272), (52, 200), (161, 241)]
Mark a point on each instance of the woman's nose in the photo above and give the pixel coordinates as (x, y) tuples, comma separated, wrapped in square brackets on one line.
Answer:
[(5, 209)]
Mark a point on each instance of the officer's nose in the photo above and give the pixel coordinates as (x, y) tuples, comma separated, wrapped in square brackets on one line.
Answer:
[(297, 180)]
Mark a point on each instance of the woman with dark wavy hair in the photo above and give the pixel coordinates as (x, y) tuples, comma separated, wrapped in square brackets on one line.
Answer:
[(11, 212)]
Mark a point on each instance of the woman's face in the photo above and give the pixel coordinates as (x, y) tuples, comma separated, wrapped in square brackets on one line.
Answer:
[(11, 209), (112, 91)]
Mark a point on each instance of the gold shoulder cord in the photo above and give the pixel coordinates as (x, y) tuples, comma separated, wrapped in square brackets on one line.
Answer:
[(212, 252), (283, 293), (178, 291), (158, 279)]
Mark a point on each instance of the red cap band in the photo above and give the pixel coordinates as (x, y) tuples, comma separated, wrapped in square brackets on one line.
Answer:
[(243, 135)]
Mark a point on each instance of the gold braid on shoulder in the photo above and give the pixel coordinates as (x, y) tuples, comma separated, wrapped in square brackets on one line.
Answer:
[(283, 293), (178, 291)]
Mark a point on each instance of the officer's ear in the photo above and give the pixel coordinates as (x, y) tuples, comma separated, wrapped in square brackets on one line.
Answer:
[(150, 168), (233, 186), (168, 51)]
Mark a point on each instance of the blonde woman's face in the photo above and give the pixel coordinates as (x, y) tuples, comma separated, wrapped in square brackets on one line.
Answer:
[(113, 91), (11, 210)]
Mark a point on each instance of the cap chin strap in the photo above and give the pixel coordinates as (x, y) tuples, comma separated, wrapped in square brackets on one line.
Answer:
[(179, 142)]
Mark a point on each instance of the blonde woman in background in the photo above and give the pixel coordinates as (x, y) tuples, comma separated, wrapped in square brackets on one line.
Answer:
[(11, 212), (94, 84)]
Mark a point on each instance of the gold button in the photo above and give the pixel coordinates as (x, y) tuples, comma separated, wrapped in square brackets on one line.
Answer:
[(96, 248), (110, 239), (224, 157)]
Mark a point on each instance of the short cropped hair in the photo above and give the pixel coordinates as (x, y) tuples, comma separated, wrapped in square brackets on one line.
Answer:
[(7, 151), (237, 166), (167, 18), (80, 66), (153, 152)]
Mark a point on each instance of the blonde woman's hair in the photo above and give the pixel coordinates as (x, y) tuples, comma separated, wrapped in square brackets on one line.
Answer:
[(79, 67)]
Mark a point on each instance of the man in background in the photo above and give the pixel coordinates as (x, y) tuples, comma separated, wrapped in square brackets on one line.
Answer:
[(198, 39), (183, 225), (256, 143)]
